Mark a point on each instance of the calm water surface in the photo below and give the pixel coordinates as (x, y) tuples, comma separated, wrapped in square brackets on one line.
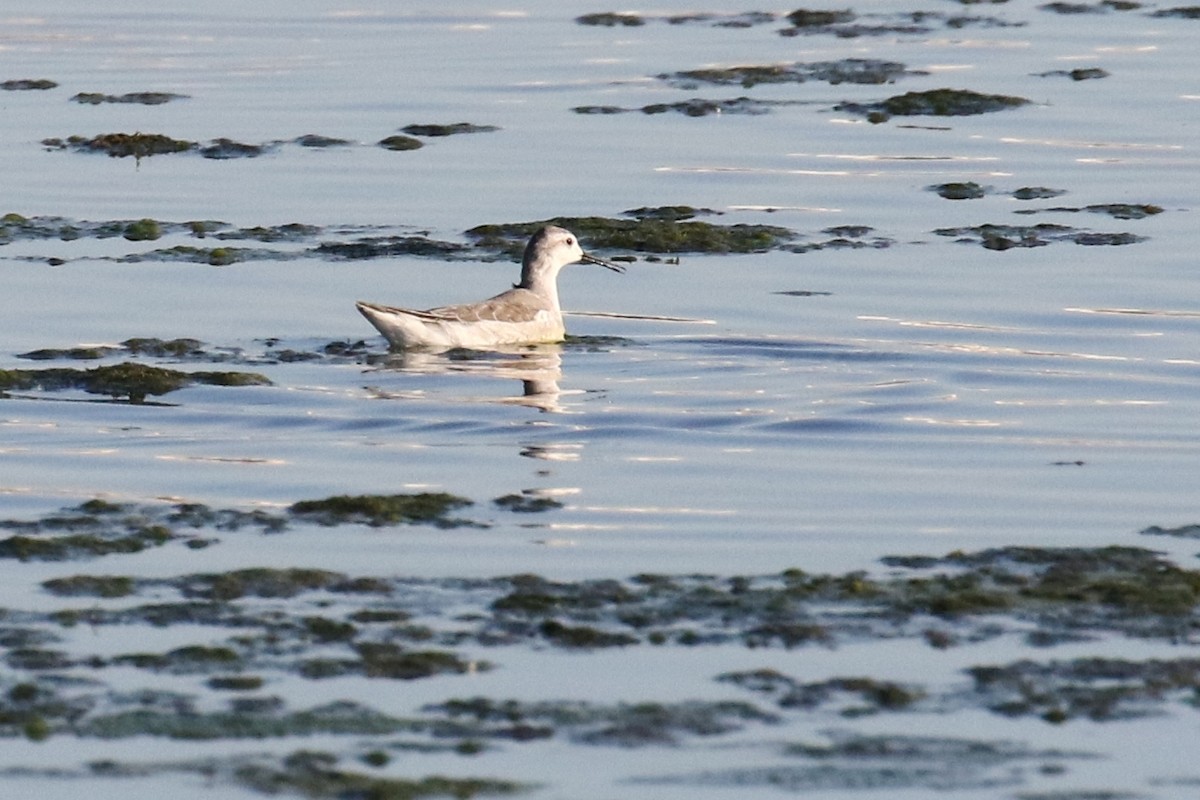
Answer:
[(822, 409)]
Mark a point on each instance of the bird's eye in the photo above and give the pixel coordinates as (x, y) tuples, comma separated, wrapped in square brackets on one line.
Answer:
[(570, 241)]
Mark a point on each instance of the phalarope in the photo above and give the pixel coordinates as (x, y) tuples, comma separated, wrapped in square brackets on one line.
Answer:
[(528, 313)]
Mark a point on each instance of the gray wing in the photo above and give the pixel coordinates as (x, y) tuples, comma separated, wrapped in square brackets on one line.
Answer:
[(515, 305)]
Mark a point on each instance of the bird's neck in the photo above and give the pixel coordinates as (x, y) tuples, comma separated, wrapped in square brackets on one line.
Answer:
[(543, 285)]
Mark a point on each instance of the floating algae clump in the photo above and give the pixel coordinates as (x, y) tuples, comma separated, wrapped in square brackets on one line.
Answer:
[(143, 230), (128, 380), (315, 775), (379, 510), (91, 586), (447, 130), (934, 103), (610, 19), (850, 70), (399, 142), (140, 98), (120, 145), (959, 191), (27, 85), (646, 235)]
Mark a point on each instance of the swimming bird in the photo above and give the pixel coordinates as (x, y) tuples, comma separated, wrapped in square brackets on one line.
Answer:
[(528, 313)]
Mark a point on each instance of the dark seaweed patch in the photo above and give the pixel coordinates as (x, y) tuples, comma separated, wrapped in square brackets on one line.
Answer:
[(61, 547), (1005, 237), (1079, 74), (27, 84), (163, 348), (143, 230), (235, 683), (583, 636), (382, 510), (121, 145), (1180, 12), (1093, 688), (1036, 193), (227, 148), (1102, 7), (848, 762), (131, 381), (447, 130), (696, 107), (611, 19), (1074, 8), (388, 246), (399, 142), (669, 213), (144, 145), (747, 19), (315, 775), (213, 256), (186, 723), (855, 696), (850, 70), (647, 235), (191, 659), (71, 353), (259, 582), (527, 502), (91, 586), (389, 660), (1114, 210), (846, 24), (935, 102), (959, 191), (809, 18), (969, 190), (14, 227), (626, 725), (139, 98), (1183, 531), (852, 237), (318, 141)]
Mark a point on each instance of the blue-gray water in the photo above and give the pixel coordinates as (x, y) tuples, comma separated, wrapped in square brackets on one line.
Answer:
[(930, 395)]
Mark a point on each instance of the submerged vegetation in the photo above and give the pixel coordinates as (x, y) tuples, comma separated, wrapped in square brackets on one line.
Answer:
[(934, 102), (379, 510), (130, 381), (850, 70), (840, 22), (646, 233), (1005, 237), (258, 625), (27, 85), (650, 230), (139, 98)]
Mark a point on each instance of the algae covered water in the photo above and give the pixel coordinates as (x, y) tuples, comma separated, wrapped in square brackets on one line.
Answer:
[(875, 471)]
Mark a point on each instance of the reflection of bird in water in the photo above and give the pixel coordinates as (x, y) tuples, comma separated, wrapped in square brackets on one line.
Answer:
[(526, 314), (538, 368)]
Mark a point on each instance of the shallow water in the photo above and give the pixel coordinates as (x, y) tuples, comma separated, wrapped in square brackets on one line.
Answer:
[(821, 409)]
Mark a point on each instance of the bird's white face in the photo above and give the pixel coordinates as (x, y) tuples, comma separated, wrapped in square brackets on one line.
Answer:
[(563, 248), (552, 248)]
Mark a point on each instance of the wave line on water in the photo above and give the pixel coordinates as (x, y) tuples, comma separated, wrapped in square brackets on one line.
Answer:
[(1140, 312), (1083, 143), (682, 510), (881, 157)]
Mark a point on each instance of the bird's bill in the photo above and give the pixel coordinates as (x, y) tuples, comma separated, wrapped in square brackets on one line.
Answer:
[(601, 262)]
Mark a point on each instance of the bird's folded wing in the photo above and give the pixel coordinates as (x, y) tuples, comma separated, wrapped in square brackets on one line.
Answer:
[(515, 305)]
